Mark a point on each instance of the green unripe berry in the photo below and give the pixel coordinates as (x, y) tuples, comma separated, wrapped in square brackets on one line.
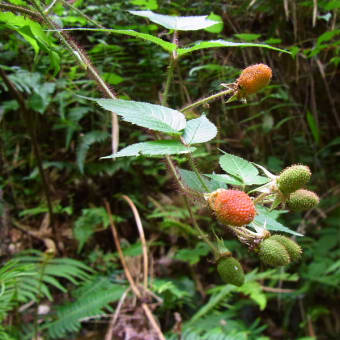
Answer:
[(293, 178), (293, 249), (302, 200), (230, 271), (273, 253)]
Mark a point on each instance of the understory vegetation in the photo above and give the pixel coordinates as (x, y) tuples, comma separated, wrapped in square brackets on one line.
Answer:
[(120, 122)]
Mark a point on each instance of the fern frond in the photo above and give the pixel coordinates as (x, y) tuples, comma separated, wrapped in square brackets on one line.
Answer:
[(95, 296), (10, 275), (4, 335), (87, 140)]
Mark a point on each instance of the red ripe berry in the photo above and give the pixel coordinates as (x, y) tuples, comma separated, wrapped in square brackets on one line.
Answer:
[(232, 207)]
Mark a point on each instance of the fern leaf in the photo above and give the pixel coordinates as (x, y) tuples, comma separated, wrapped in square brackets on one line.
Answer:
[(87, 140), (70, 316)]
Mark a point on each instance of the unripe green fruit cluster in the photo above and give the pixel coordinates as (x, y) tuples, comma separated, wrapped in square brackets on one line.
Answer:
[(279, 250), (230, 271), (302, 200), (293, 178)]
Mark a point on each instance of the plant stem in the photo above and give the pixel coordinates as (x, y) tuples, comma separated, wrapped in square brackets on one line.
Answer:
[(168, 81), (171, 164), (194, 168), (86, 64), (207, 99), (23, 10), (170, 74), (200, 231)]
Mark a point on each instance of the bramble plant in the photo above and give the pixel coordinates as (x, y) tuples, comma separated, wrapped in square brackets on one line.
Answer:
[(234, 209), (242, 197)]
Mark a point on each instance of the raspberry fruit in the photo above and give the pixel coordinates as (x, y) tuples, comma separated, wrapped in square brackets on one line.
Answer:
[(253, 78), (232, 207), (293, 178), (293, 249), (231, 271), (273, 253), (302, 200)]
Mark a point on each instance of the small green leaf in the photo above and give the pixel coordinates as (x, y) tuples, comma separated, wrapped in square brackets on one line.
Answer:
[(224, 178), (217, 28), (86, 225), (153, 148), (150, 116), (271, 224), (223, 43), (191, 180), (191, 23), (112, 78), (313, 125), (149, 4), (199, 130), (192, 256), (241, 169), (330, 5), (247, 36)]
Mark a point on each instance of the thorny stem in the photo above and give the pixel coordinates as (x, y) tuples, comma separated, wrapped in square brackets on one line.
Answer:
[(202, 234), (73, 48), (168, 81), (170, 74), (192, 164), (22, 10), (174, 172), (50, 6), (207, 99), (194, 167)]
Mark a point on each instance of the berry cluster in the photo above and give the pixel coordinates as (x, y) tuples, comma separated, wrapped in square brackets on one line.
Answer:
[(236, 209), (279, 250), (290, 184)]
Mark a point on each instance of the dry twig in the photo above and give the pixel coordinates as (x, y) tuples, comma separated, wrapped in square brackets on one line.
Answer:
[(128, 275)]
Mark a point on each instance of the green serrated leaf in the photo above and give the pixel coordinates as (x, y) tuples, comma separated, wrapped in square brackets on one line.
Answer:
[(150, 116), (191, 23), (271, 224), (223, 43), (192, 256), (168, 46), (254, 290), (86, 224), (153, 148), (191, 180), (313, 125), (224, 178), (199, 130), (241, 169)]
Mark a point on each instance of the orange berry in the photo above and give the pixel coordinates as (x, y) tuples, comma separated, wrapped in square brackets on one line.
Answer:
[(232, 207), (253, 78)]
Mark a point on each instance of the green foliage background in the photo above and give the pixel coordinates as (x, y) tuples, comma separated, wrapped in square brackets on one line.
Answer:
[(294, 120)]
